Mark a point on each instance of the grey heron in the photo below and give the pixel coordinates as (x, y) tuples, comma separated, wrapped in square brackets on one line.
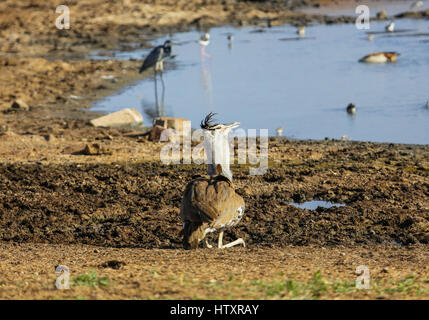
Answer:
[(155, 60)]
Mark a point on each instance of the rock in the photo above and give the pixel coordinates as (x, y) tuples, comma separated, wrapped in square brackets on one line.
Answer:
[(173, 123), (50, 138), (113, 264), (4, 129), (19, 105), (125, 117), (74, 149), (106, 137), (95, 149), (155, 134)]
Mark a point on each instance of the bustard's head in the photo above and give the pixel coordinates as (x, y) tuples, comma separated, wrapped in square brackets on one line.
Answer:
[(216, 145)]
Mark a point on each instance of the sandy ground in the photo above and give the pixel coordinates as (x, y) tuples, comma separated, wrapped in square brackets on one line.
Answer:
[(28, 272), (112, 217)]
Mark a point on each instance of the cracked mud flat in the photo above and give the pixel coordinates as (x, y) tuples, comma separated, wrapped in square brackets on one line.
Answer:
[(120, 209)]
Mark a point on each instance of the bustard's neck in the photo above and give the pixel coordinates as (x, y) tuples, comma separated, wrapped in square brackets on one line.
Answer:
[(216, 145)]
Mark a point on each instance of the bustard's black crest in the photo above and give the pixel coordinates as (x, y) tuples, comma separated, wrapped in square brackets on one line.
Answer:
[(208, 123)]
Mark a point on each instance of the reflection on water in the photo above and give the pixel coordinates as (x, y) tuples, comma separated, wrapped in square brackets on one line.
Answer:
[(302, 86), (207, 84)]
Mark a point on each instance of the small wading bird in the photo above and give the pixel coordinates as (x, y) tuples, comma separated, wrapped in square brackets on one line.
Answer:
[(301, 31), (230, 38), (390, 27), (380, 57), (417, 4), (370, 37), (204, 42), (211, 204), (351, 108)]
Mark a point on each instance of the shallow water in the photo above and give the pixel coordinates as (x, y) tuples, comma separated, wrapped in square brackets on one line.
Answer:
[(303, 86), (314, 204)]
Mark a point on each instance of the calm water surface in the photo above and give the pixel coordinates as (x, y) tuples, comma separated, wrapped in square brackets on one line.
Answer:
[(314, 204), (304, 86)]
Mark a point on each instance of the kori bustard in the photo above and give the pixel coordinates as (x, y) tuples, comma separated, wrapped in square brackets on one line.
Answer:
[(211, 204)]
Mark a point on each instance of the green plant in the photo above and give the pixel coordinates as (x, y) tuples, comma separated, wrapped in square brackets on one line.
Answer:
[(89, 280)]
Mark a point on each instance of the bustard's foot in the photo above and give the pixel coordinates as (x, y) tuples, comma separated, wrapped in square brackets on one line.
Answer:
[(208, 245), (234, 243)]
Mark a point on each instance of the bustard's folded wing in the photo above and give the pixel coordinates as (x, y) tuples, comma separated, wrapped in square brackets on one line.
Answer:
[(215, 201)]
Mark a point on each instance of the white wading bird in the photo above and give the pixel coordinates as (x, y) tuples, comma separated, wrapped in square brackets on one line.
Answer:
[(390, 27), (301, 31), (417, 4), (204, 42), (211, 204)]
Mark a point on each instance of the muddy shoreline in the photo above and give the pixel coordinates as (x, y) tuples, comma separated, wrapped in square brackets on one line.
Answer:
[(128, 200)]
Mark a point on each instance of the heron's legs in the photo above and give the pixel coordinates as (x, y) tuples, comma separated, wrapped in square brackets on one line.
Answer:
[(162, 97), (229, 245), (156, 94)]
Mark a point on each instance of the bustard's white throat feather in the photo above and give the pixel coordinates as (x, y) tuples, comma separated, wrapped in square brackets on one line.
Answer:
[(216, 146)]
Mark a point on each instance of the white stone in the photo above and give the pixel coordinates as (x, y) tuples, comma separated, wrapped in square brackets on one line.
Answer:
[(124, 117)]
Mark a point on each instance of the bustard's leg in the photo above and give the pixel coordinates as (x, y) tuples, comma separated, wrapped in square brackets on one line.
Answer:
[(229, 245), (208, 245), (234, 243), (219, 242)]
